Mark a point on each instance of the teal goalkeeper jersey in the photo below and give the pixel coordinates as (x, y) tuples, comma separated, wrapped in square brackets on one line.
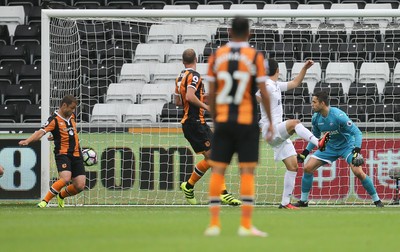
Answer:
[(343, 132)]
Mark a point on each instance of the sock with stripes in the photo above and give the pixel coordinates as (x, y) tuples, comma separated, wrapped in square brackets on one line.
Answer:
[(247, 196), (198, 172), (68, 191), (215, 202), (54, 189)]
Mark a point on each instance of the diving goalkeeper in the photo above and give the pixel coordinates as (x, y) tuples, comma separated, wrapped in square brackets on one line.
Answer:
[(345, 141)]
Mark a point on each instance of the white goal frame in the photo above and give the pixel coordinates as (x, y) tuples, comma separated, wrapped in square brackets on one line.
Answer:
[(101, 14)]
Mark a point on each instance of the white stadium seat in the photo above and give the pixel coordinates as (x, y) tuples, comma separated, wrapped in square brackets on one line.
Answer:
[(373, 72), (164, 34), (142, 113), (282, 71), (192, 33), (151, 53), (245, 7), (312, 76), (166, 72), (135, 72), (313, 22), (382, 21), (157, 93), (176, 7), (348, 22), (12, 16), (212, 21), (123, 92), (280, 22), (341, 72), (107, 113), (175, 51)]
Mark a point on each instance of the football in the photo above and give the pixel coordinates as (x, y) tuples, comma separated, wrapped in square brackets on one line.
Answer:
[(89, 157)]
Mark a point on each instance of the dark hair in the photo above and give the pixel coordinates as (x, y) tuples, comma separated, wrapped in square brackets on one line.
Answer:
[(240, 27), (188, 56), (69, 99), (272, 66), (322, 96)]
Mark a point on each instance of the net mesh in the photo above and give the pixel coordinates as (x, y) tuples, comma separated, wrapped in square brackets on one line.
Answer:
[(143, 157)]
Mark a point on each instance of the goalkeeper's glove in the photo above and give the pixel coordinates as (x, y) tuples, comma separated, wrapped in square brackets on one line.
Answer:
[(358, 159), (302, 156)]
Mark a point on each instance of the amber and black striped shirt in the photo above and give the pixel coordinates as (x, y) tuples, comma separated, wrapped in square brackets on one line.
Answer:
[(236, 69), (65, 134), (189, 78)]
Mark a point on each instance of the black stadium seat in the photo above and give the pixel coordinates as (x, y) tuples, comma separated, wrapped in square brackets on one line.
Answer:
[(9, 113), (31, 113)]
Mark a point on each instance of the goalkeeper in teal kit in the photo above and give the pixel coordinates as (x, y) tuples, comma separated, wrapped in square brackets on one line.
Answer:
[(344, 141)]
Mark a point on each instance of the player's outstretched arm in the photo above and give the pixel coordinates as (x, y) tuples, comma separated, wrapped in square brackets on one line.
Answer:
[(33, 138), (299, 78)]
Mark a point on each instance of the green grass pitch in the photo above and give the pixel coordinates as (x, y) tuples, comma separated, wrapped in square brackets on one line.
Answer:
[(25, 228)]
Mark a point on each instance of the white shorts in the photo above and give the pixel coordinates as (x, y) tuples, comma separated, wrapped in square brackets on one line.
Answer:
[(280, 143)]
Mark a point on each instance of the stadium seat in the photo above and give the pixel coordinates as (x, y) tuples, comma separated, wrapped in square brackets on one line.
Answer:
[(163, 34), (166, 73), (304, 112), (176, 7), (129, 32), (151, 53), (396, 74), (143, 113), (124, 4), (19, 94), (392, 33), (293, 3), (297, 33), (348, 22), (367, 90), (135, 72), (352, 112), (216, 21), (280, 22), (93, 31), (318, 52), (312, 76), (341, 72), (9, 113), (192, 3), (176, 50), (378, 73), (241, 6), (26, 33), (123, 93), (6, 75), (381, 21), (192, 33), (381, 113), (225, 3), (12, 16), (4, 35), (28, 73), (331, 33), (209, 49), (282, 71), (363, 33), (171, 113), (264, 35), (352, 52), (108, 113), (155, 4), (31, 113), (157, 93), (313, 22), (284, 52), (334, 89)]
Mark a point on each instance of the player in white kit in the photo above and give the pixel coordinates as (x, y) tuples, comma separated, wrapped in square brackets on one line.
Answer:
[(283, 147)]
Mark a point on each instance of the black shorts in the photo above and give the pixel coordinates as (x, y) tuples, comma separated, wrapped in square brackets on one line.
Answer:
[(232, 138), (199, 135), (70, 163)]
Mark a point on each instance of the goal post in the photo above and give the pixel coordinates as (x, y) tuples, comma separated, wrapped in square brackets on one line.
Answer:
[(142, 163)]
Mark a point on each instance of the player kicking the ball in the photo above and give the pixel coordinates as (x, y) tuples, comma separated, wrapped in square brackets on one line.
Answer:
[(282, 146), (345, 141)]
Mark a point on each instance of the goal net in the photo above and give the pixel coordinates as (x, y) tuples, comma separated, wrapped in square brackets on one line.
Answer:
[(121, 65)]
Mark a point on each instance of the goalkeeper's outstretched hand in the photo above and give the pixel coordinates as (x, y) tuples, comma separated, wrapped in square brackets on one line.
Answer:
[(302, 156), (358, 159)]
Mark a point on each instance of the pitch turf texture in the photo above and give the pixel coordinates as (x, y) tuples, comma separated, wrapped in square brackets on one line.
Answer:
[(25, 228)]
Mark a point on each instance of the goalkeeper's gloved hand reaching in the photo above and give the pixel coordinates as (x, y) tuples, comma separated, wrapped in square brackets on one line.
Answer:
[(358, 159), (302, 156)]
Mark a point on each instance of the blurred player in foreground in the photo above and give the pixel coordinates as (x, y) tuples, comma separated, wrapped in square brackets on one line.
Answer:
[(189, 92), (344, 141), (62, 125), (281, 144), (236, 71)]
